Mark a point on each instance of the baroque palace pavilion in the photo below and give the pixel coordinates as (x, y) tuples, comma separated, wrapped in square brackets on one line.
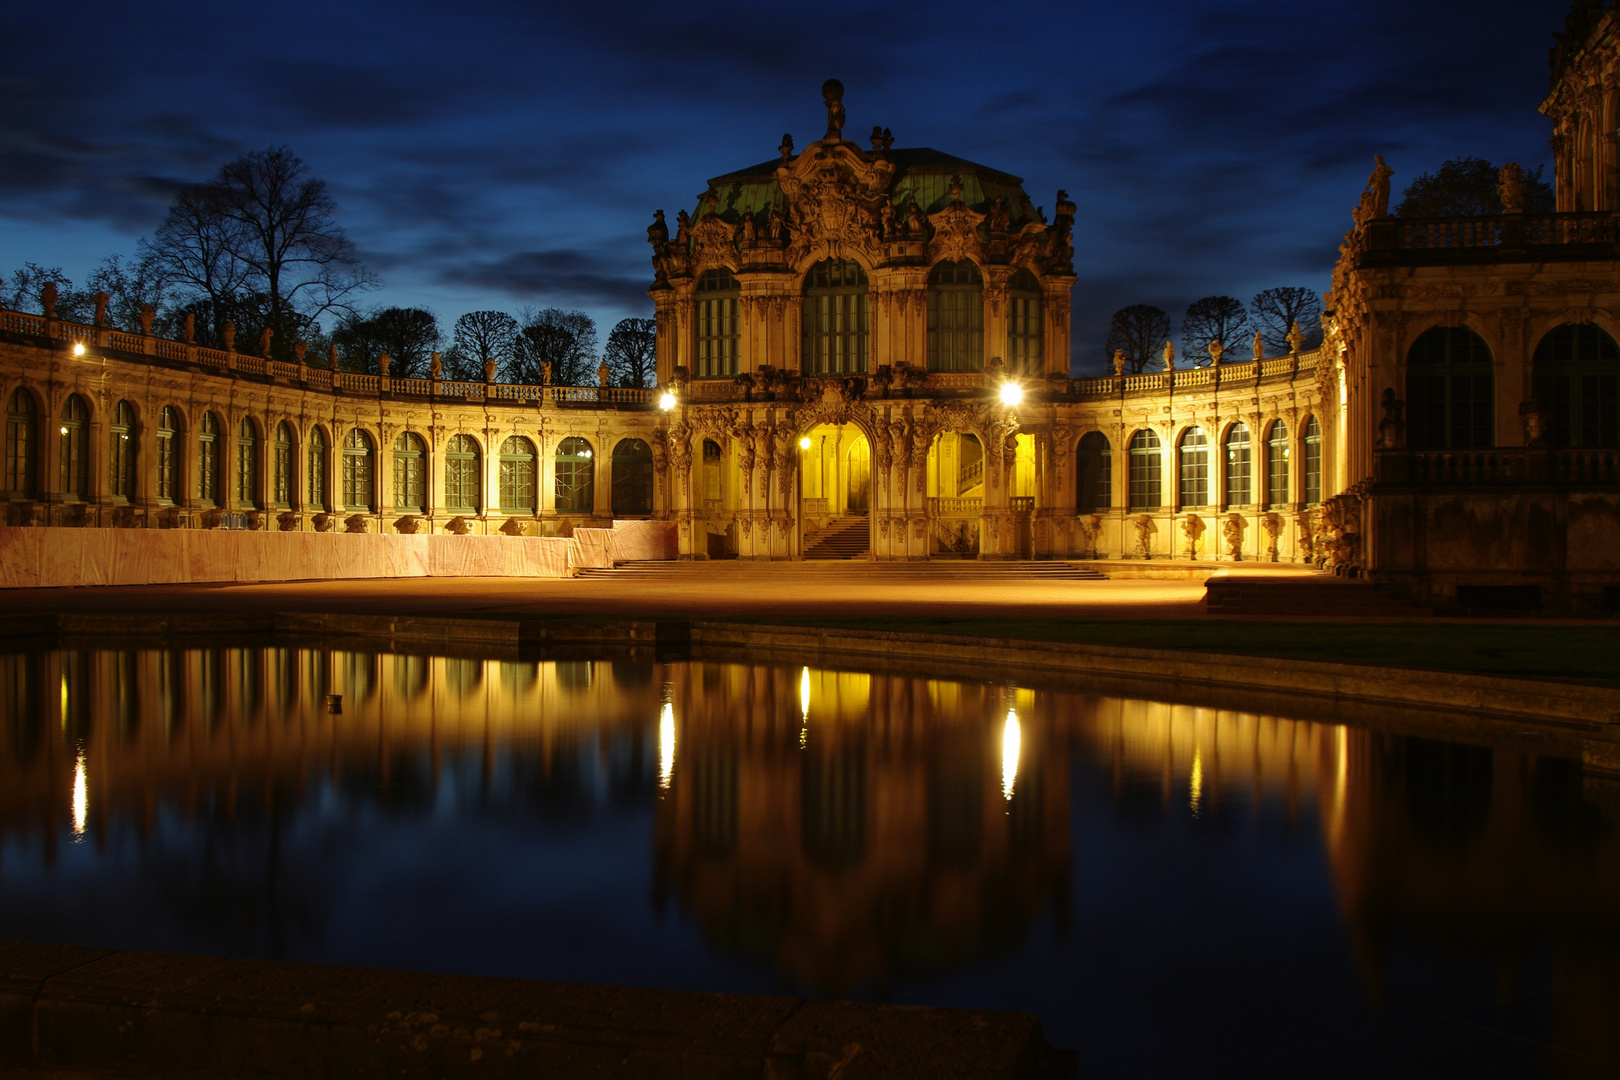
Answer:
[(863, 351)]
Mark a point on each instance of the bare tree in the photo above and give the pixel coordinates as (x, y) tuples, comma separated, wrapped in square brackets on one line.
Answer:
[(564, 339), (631, 352), (262, 229), (408, 335), (1275, 311), (480, 336), (1140, 331), (1214, 318)]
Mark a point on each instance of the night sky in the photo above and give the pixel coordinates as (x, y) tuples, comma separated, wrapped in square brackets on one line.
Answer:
[(500, 155)]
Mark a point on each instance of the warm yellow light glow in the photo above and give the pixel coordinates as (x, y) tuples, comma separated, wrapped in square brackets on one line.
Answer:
[(804, 694), (81, 798), (64, 703), (1011, 741), (78, 350), (804, 443), (667, 402), (1195, 786), (666, 745), (64, 430), (1011, 393)]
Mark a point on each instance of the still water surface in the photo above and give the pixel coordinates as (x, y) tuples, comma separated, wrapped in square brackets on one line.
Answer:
[(1168, 887)]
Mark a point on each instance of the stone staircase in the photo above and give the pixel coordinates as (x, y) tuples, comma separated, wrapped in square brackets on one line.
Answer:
[(936, 570), (844, 538), (1233, 592)]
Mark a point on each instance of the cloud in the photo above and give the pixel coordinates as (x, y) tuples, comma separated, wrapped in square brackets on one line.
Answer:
[(545, 277)]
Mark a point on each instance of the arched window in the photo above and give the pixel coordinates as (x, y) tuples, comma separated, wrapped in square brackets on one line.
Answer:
[(1024, 356), (1239, 466), (1313, 462), (1093, 474), (22, 436), (1277, 465), (75, 451), (718, 332), (712, 494), (576, 476), (834, 318), (1577, 379), (208, 459), (632, 477), (281, 471), (315, 488), (121, 453), (517, 476), (1146, 470), (168, 455), (1194, 455), (1449, 399), (955, 317), (410, 474), (462, 475), (359, 471), (247, 464)]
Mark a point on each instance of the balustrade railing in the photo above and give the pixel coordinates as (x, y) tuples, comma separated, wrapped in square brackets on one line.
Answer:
[(970, 475), (945, 507), (1021, 504), (1493, 231), (1500, 466)]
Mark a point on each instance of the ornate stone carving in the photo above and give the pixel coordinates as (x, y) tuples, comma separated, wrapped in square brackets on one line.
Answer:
[(1146, 530), (1232, 531), (956, 230), (1193, 529)]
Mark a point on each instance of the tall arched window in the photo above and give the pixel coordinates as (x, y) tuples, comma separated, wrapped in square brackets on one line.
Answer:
[(834, 318), (208, 459), (1093, 474), (1239, 466), (462, 475), (1146, 470), (1277, 452), (1577, 379), (955, 317), (1313, 462), (281, 467), (632, 477), (22, 438), (1194, 460), (75, 450), (712, 494), (121, 453), (517, 476), (168, 455), (315, 487), (247, 464), (1449, 398), (1024, 355), (576, 476), (410, 473), (359, 471), (718, 330)]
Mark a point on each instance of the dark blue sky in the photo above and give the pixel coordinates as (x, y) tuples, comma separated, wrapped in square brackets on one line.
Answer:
[(502, 155)]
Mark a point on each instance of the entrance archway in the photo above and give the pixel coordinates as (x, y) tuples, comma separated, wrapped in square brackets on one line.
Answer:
[(835, 492)]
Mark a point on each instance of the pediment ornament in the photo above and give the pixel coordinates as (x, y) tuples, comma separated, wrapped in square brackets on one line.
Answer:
[(956, 233)]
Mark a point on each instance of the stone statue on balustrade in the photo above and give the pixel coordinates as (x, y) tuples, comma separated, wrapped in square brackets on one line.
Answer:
[(1510, 188), (264, 342), (1296, 339), (1378, 186), (1119, 362), (1216, 351), (604, 375), (658, 233), (436, 367), (1259, 347), (1169, 355)]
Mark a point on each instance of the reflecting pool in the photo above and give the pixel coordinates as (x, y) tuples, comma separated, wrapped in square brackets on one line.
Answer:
[(1167, 886)]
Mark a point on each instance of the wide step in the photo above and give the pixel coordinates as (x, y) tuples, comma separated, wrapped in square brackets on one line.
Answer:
[(942, 569)]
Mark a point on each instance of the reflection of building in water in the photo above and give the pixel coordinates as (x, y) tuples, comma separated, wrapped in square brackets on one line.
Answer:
[(210, 727), (850, 828), (1482, 854)]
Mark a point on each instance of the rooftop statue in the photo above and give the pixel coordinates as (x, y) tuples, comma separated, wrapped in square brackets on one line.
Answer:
[(1511, 189), (1378, 184), (786, 149), (832, 94), (658, 232), (1169, 355), (1296, 338), (1259, 347), (1216, 349)]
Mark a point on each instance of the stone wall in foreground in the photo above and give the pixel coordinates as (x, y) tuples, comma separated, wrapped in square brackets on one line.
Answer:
[(47, 557)]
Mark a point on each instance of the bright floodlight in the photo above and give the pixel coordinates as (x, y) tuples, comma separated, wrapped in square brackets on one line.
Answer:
[(804, 443), (667, 402), (1011, 393), (78, 350)]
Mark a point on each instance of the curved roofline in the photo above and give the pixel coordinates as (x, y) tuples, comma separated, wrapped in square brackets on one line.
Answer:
[(914, 159)]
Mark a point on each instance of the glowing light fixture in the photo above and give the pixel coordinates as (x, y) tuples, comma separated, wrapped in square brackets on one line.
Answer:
[(804, 443), (666, 746), (804, 707), (667, 402), (64, 431), (1012, 739), (81, 796), (64, 702), (78, 350), (1011, 393)]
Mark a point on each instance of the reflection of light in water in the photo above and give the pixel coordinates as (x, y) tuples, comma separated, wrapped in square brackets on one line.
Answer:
[(1011, 739), (666, 745), (64, 703), (81, 800), (1195, 786), (804, 707)]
